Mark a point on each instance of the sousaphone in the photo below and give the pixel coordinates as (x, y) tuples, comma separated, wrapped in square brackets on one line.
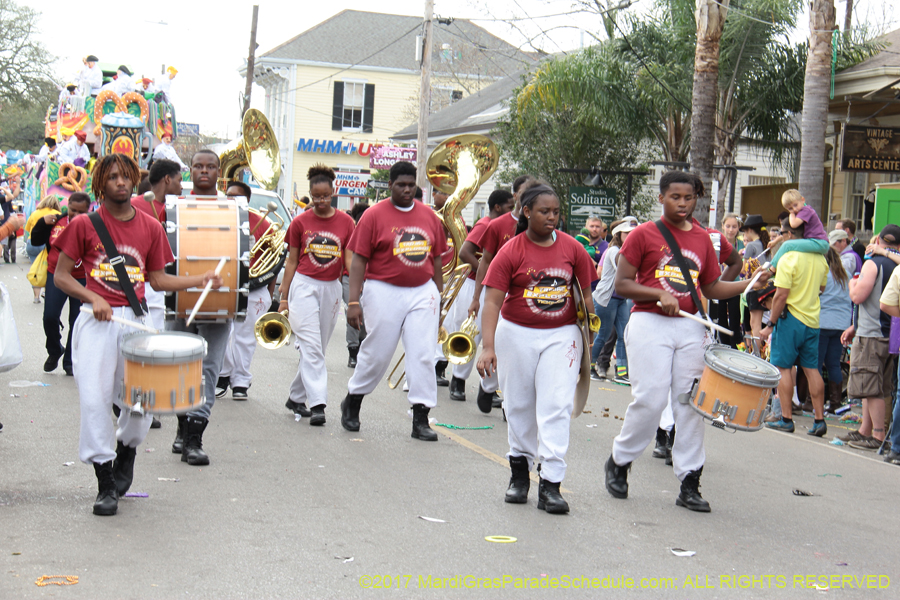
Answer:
[(256, 149)]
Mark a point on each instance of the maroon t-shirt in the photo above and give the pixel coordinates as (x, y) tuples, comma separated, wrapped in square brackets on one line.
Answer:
[(646, 249), (475, 236), (498, 232), (141, 241), (53, 250), (321, 243), (400, 245), (154, 208), (537, 280)]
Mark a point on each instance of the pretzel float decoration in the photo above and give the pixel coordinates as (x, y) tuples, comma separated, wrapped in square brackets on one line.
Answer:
[(102, 98), (71, 177), (135, 98)]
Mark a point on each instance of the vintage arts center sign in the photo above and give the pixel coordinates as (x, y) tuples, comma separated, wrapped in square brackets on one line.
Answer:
[(871, 149)]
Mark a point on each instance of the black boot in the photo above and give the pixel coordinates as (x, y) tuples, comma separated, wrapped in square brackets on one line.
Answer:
[(421, 430), (662, 439), (298, 408), (690, 497), (193, 453), (519, 482), (178, 444), (550, 499), (458, 389), (669, 445), (318, 415), (155, 424), (354, 352), (484, 400), (123, 467), (617, 478), (439, 368), (497, 401), (51, 363), (107, 502), (350, 411)]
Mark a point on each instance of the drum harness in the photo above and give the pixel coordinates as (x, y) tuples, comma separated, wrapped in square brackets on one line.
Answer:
[(118, 264)]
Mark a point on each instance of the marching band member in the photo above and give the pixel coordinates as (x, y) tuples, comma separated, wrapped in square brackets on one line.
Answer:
[(189, 437), (498, 232), (318, 241), (439, 199), (538, 343), (500, 202), (97, 356), (397, 248), (353, 336), (666, 354), (242, 339)]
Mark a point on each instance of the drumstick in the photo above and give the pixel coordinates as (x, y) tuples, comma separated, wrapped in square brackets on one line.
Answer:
[(134, 324), (756, 277), (709, 324), (205, 291)]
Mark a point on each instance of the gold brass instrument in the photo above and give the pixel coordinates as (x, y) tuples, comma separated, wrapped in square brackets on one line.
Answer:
[(458, 166), (459, 347), (256, 149), (269, 248), (273, 330)]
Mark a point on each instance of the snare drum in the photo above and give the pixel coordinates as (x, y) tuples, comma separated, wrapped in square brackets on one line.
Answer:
[(735, 388), (163, 372), (200, 233)]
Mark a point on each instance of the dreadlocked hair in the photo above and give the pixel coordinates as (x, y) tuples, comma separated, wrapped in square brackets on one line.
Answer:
[(319, 173), (528, 198), (104, 166)]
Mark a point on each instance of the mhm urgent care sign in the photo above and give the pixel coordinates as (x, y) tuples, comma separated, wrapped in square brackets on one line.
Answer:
[(350, 184)]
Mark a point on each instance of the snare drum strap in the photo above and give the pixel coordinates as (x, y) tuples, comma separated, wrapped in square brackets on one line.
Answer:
[(118, 263), (679, 260)]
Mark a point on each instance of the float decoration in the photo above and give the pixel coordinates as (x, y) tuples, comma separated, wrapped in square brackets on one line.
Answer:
[(135, 98), (100, 105), (71, 178), (123, 134)]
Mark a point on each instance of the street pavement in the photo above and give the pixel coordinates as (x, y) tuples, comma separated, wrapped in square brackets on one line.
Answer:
[(286, 510)]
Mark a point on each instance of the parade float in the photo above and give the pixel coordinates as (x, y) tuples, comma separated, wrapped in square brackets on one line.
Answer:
[(131, 124)]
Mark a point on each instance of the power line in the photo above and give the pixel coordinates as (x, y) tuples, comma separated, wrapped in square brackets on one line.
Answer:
[(356, 64)]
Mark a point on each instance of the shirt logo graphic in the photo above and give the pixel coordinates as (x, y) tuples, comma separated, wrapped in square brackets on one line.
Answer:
[(548, 294), (670, 276), (105, 273), (412, 246), (324, 248)]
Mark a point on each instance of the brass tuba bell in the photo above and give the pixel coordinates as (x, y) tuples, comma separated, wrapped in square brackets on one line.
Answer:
[(459, 347), (256, 149), (273, 330)]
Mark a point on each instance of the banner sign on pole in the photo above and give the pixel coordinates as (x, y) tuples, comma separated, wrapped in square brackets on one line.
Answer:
[(384, 157)]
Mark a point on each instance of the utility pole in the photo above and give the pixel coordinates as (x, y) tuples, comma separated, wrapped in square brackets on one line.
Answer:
[(848, 19), (251, 62), (425, 96)]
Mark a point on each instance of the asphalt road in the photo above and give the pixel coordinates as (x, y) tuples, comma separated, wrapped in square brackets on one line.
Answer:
[(290, 511)]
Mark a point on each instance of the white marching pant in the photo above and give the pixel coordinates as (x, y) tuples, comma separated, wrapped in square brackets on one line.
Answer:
[(393, 313), (538, 371), (665, 355), (454, 318), (313, 307), (667, 420), (242, 341), (156, 302), (99, 371)]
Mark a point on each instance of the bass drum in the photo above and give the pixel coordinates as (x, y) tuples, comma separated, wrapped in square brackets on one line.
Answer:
[(200, 233)]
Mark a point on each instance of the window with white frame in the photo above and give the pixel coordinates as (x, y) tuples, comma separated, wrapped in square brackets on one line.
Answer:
[(354, 106)]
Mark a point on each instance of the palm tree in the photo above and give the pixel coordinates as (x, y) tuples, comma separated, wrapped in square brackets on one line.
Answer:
[(710, 24), (815, 101)]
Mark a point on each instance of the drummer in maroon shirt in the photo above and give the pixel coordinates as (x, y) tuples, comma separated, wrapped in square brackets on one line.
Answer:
[(665, 352), (97, 357)]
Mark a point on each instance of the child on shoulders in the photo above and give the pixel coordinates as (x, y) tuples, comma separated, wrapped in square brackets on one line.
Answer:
[(815, 239)]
